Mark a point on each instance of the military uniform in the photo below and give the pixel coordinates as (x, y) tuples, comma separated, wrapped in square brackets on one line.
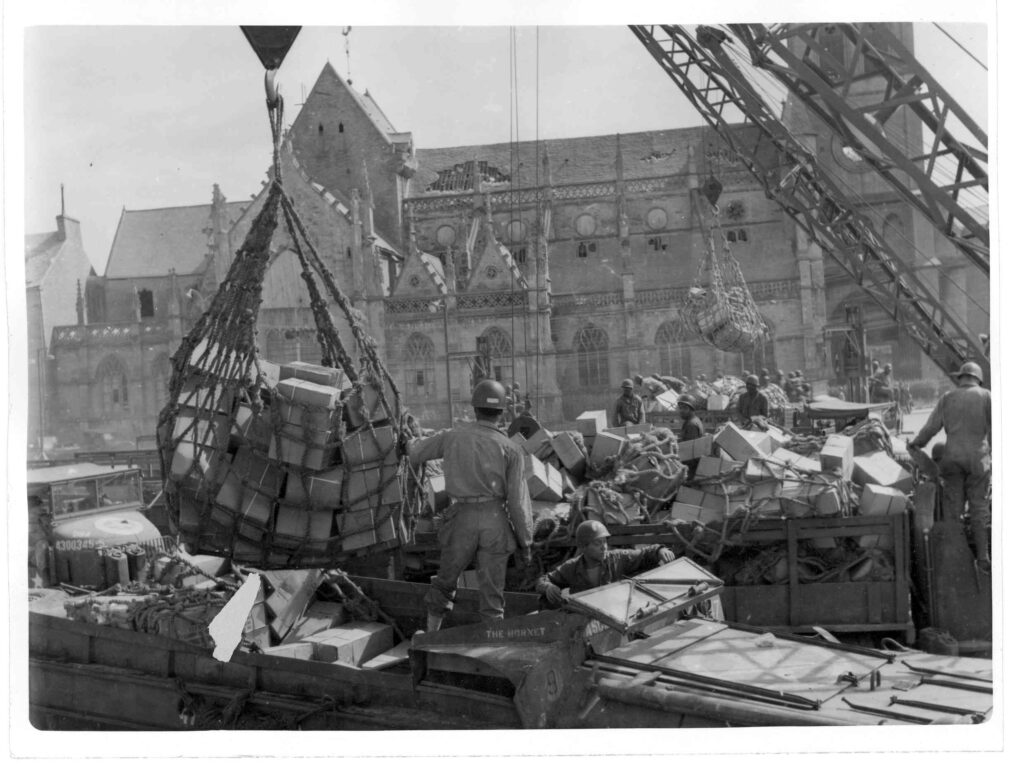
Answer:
[(490, 513)]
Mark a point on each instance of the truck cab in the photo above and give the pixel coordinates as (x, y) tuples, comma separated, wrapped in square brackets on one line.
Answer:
[(78, 513)]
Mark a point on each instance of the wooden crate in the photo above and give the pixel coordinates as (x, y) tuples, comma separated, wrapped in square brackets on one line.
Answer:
[(836, 606)]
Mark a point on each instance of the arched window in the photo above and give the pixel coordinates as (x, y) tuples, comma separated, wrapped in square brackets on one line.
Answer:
[(112, 382), (146, 304), (591, 346), (499, 347), (419, 366), (673, 354)]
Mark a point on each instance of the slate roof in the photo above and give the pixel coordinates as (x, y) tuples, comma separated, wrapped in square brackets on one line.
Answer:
[(40, 252), (151, 242), (573, 160)]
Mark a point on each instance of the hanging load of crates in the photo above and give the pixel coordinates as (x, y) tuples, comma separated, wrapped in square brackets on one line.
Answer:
[(291, 466), (719, 307)]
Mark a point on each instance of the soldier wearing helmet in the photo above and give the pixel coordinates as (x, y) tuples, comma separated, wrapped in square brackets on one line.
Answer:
[(629, 407), (490, 514), (752, 403), (692, 428), (965, 413), (596, 565)]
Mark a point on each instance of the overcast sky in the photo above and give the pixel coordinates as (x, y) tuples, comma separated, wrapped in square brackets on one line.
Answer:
[(141, 117)]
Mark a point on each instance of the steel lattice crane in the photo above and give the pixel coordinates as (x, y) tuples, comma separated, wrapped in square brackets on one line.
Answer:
[(935, 178), (713, 82)]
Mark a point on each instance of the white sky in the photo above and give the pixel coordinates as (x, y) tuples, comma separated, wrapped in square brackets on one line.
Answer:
[(152, 116)]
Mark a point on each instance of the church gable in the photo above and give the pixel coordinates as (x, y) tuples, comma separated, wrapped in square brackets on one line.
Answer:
[(419, 278), (494, 266)]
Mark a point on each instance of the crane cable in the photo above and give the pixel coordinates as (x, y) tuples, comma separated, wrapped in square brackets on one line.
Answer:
[(959, 45)]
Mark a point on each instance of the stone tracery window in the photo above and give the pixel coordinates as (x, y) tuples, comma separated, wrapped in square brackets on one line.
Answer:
[(112, 381), (499, 346), (673, 354), (591, 346), (418, 359)]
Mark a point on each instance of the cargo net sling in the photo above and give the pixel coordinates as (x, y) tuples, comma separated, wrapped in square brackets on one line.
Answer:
[(300, 465), (719, 307)]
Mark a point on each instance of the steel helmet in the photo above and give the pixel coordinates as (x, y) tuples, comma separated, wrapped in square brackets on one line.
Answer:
[(588, 531), (627, 384), (972, 369), (488, 394), (752, 380), (685, 399)]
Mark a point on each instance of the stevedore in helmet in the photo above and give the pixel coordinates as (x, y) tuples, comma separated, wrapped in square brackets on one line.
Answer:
[(595, 565), (752, 404), (490, 515), (966, 462), (629, 407), (691, 429)]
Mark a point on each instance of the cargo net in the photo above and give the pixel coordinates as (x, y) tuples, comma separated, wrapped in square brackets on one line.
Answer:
[(719, 307), (300, 465)]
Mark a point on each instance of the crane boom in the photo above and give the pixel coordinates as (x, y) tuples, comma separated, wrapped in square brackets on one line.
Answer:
[(805, 191), (935, 177)]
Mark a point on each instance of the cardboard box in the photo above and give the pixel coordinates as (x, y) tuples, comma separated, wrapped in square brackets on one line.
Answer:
[(713, 466), (322, 652), (636, 428), (300, 524), (537, 440), (880, 500), (520, 440), (607, 445), (319, 491), (837, 455), (296, 391), (249, 490), (256, 629), (569, 454), (350, 522), (742, 444), (569, 483), (717, 402), (290, 445), (389, 658), (695, 448), (543, 482), (366, 405), (373, 487), (197, 440), (370, 445), (356, 642), (289, 592), (777, 437), (696, 513), (591, 423), (251, 429), (303, 370), (388, 530), (882, 470), (716, 503), (319, 615), (270, 371), (617, 431), (763, 469), (797, 461), (199, 396)]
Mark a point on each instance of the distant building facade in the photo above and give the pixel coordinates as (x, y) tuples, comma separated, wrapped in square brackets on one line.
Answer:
[(559, 266), (56, 270)]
